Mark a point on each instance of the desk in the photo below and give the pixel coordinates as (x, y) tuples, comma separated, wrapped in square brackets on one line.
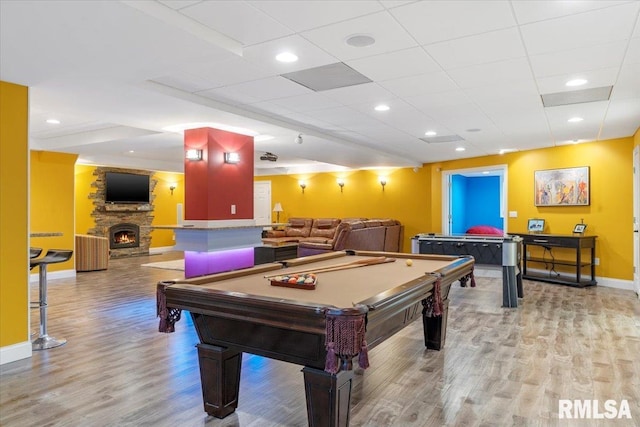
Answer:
[(574, 242), (237, 312)]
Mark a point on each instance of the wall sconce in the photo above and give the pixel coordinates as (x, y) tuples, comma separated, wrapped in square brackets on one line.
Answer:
[(303, 185), (277, 209), (232, 158), (193, 154), (172, 187), (383, 181), (341, 184)]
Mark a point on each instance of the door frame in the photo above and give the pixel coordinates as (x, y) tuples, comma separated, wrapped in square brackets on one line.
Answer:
[(636, 219), (500, 170)]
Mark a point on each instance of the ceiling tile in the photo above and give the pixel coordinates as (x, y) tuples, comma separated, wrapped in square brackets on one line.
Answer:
[(420, 85), (305, 15), (478, 49), (258, 90), (186, 82), (622, 120), (628, 85), (593, 114), (393, 65), (237, 20), (576, 61), (505, 91), (434, 21), (307, 102), (368, 92), (435, 100), (587, 29), (492, 74), (541, 10), (228, 72), (388, 35), (633, 52), (179, 4)]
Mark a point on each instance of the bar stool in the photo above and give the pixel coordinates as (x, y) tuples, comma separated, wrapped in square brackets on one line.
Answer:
[(34, 252), (53, 256)]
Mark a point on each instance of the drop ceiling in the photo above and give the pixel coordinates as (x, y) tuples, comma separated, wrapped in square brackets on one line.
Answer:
[(117, 74)]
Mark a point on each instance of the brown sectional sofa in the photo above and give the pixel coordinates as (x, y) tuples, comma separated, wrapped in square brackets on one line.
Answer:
[(333, 234)]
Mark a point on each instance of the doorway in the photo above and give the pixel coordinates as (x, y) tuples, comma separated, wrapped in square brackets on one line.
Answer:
[(453, 202)]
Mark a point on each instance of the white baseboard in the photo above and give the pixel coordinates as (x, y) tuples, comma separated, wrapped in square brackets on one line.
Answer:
[(11, 353), (161, 249), (51, 275), (607, 282)]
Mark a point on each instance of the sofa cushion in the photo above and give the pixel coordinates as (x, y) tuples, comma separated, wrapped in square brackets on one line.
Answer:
[(324, 227), (299, 227)]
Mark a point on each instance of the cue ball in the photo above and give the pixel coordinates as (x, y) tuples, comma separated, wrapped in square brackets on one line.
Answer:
[(409, 262)]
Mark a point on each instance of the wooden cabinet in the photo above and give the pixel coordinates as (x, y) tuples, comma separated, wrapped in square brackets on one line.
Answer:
[(576, 251)]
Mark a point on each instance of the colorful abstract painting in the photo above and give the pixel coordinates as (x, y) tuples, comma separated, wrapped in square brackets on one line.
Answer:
[(562, 187)]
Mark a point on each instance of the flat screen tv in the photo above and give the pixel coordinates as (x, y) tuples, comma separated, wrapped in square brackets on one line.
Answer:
[(126, 188)]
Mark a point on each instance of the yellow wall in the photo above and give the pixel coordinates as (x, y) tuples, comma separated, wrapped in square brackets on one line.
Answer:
[(636, 138), (14, 230), (404, 198), (165, 204), (84, 205), (52, 201), (609, 216)]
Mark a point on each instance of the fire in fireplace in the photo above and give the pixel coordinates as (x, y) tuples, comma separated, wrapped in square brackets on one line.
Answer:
[(124, 235)]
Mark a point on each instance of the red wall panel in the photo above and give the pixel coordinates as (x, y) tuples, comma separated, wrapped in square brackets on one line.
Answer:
[(212, 186)]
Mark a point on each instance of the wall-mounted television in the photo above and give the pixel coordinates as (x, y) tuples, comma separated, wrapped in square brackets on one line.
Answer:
[(126, 188)]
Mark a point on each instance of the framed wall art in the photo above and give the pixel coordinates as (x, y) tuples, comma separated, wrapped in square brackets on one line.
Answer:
[(562, 187)]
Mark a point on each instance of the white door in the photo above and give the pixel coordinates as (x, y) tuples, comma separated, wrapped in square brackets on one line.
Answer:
[(262, 202), (636, 219)]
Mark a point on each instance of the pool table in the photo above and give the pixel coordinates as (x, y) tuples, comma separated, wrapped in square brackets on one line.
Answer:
[(322, 329)]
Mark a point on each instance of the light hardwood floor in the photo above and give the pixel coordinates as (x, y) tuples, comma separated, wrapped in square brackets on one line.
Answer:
[(499, 367)]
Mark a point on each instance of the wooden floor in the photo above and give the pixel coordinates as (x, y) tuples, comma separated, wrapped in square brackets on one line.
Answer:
[(499, 367)]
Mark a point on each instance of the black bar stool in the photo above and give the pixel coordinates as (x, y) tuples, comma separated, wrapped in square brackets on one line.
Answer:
[(53, 256), (34, 252)]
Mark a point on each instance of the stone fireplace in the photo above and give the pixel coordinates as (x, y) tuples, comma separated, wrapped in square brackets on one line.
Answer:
[(126, 225), (124, 235)]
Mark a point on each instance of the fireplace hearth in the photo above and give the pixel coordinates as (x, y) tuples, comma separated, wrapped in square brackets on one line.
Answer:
[(124, 235)]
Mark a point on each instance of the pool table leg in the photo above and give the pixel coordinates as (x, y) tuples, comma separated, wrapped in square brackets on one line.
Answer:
[(435, 328), (220, 378), (328, 397)]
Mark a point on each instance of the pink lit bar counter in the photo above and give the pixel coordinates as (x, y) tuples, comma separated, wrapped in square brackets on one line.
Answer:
[(216, 246)]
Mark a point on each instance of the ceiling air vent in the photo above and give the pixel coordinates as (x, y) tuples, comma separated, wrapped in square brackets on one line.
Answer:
[(442, 138), (577, 96), (327, 77)]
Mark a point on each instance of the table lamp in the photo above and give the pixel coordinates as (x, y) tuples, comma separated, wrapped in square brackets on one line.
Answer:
[(277, 209)]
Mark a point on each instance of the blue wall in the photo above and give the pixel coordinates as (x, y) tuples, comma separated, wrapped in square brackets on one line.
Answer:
[(475, 201)]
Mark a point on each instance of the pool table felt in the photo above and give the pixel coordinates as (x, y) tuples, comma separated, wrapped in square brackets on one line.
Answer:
[(343, 288)]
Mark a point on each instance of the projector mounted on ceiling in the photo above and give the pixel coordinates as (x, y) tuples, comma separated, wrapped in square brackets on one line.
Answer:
[(269, 157)]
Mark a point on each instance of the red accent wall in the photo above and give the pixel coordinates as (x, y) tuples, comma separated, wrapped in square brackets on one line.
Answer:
[(211, 185)]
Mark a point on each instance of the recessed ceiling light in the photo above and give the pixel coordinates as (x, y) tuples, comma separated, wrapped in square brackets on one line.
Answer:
[(474, 130), (53, 121), (430, 133), (286, 57), (460, 149), (360, 40), (575, 119), (382, 107), (576, 82), (506, 150), (131, 151)]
